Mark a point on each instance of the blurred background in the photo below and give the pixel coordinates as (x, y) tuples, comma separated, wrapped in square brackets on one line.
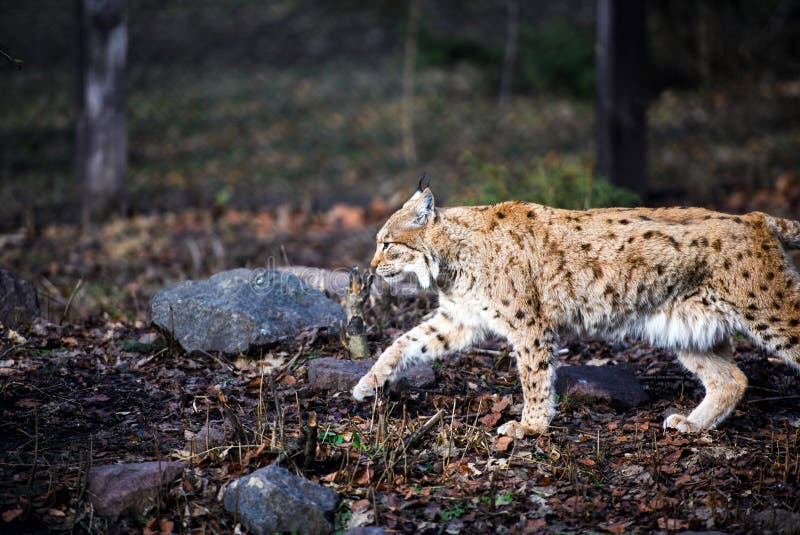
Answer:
[(232, 131)]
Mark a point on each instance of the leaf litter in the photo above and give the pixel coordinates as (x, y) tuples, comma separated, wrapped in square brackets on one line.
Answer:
[(106, 388)]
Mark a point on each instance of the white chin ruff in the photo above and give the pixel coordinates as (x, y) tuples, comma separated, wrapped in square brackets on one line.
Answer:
[(424, 278)]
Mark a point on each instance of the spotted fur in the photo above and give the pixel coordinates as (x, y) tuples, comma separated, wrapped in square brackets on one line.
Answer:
[(682, 278)]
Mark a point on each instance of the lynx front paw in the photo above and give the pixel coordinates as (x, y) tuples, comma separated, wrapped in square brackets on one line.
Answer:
[(517, 430), (366, 388), (681, 423)]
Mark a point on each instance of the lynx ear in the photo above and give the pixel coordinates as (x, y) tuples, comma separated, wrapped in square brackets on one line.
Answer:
[(423, 207)]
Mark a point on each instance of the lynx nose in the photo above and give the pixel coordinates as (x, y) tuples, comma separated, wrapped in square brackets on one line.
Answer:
[(375, 261)]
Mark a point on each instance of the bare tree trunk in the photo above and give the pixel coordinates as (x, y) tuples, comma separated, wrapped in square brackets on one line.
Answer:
[(621, 95), (703, 37), (409, 66), (510, 58), (102, 133)]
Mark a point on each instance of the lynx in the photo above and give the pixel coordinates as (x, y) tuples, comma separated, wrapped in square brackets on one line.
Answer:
[(684, 279)]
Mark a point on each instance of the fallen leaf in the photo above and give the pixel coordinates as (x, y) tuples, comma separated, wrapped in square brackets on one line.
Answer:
[(11, 514), (672, 524), (502, 443), (501, 404), (535, 524), (289, 380), (490, 419), (360, 506), (619, 527), (364, 476)]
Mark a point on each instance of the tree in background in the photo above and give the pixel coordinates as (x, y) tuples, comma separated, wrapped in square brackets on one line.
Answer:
[(621, 92), (102, 130)]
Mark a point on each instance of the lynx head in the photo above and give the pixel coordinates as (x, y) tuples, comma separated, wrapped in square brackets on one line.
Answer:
[(402, 244)]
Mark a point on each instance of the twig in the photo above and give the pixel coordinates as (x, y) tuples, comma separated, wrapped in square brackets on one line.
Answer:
[(220, 361), (488, 352), (241, 435), (281, 371), (35, 445), (776, 398), (160, 473), (398, 453), (18, 63), (69, 301), (278, 414), (661, 377), (12, 349), (310, 446)]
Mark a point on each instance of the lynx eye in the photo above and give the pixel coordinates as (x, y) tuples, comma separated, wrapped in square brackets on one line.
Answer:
[(386, 245)]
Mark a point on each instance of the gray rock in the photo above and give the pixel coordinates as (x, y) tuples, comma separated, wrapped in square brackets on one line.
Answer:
[(18, 301), (614, 384), (118, 488), (777, 522), (418, 376), (273, 499), (365, 530), (241, 309), (337, 375)]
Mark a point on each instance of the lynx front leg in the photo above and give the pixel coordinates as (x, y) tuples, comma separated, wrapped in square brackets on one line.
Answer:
[(427, 341), (536, 362), (724, 383)]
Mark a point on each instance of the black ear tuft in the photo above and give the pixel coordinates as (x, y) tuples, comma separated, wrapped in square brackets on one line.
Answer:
[(422, 178)]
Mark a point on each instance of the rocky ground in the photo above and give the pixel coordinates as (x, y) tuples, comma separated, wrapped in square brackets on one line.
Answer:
[(78, 396)]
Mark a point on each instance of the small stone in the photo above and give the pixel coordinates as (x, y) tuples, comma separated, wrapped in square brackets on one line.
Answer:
[(272, 499), (365, 530), (616, 385), (235, 311), (18, 301), (119, 488), (338, 375)]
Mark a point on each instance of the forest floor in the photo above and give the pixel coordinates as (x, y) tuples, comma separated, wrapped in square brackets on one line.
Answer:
[(93, 383)]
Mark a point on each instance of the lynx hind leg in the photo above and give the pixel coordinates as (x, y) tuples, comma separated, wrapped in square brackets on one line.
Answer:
[(536, 363), (772, 319), (724, 384)]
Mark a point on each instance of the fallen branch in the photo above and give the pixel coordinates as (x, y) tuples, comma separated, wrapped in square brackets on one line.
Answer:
[(397, 454), (776, 398)]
